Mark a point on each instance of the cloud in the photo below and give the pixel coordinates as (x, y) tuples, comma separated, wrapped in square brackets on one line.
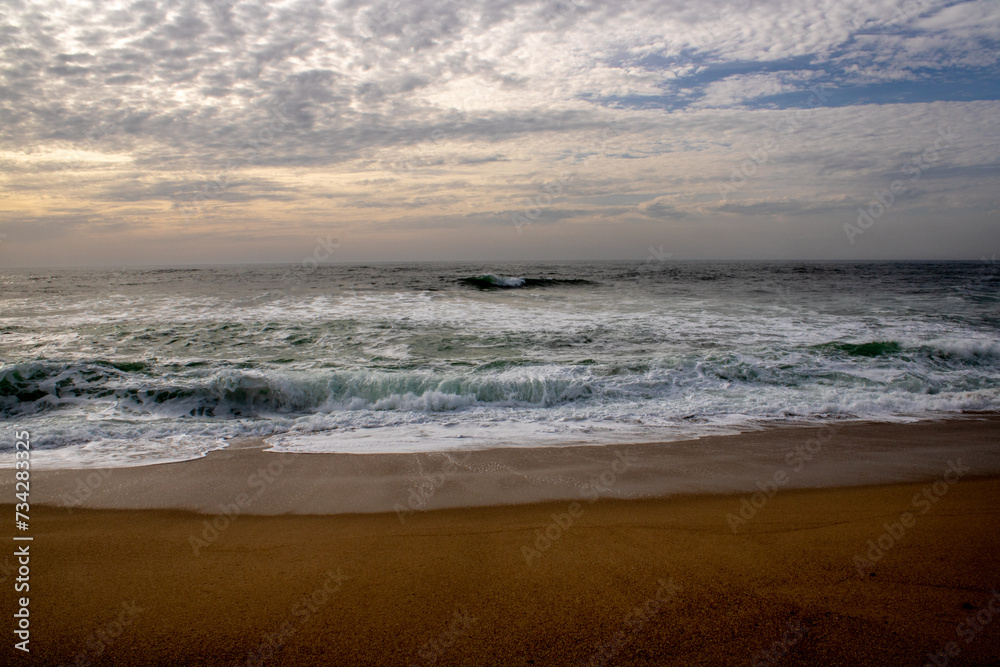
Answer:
[(661, 207), (194, 75), (386, 106), (738, 89)]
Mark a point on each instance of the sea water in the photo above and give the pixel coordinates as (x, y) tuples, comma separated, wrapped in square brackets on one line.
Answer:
[(133, 366)]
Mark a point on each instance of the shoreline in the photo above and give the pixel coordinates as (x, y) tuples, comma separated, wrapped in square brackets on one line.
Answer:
[(245, 479)]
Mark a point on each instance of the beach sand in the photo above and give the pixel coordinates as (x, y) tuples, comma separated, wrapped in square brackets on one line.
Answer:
[(537, 583)]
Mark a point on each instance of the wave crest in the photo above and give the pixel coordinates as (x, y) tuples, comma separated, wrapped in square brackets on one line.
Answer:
[(491, 281)]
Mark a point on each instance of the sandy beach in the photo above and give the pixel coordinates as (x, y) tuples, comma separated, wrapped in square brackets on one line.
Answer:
[(869, 575)]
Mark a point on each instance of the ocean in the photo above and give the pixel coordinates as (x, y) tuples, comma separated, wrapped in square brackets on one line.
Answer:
[(135, 366)]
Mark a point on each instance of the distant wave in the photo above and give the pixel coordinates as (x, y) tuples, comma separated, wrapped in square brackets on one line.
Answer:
[(876, 348), (491, 281)]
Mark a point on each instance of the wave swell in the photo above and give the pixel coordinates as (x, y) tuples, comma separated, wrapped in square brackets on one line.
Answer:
[(491, 281)]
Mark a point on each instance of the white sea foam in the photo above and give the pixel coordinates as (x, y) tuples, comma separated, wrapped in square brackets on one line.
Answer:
[(479, 434)]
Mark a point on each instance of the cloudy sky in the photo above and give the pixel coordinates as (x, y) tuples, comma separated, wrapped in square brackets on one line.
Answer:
[(214, 131)]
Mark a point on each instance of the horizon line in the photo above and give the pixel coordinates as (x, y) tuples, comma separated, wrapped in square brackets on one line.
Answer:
[(671, 260)]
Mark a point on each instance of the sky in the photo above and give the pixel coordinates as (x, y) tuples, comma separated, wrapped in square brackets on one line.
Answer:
[(213, 131)]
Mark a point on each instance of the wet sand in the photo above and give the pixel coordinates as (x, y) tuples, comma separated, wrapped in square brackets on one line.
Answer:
[(246, 479)]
